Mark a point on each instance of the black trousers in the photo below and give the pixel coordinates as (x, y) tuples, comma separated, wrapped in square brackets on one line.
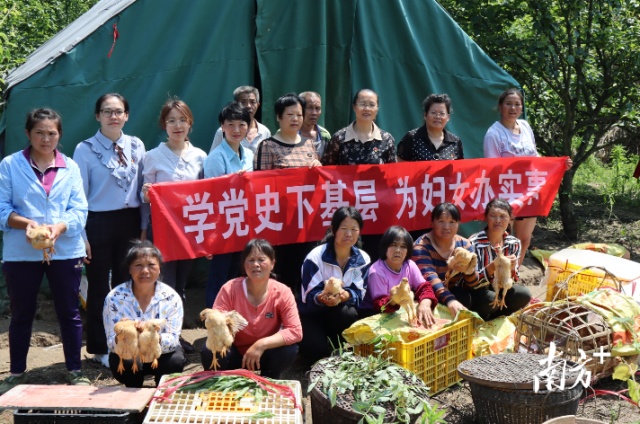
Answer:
[(109, 234), (371, 245), (168, 363), (479, 300), (289, 259), (272, 362), (323, 328)]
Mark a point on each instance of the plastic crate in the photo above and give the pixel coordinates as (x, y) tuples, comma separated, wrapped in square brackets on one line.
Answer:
[(582, 283), (207, 407), (76, 416), (435, 357)]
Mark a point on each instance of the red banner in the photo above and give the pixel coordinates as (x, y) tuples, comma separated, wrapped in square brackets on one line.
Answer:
[(195, 218)]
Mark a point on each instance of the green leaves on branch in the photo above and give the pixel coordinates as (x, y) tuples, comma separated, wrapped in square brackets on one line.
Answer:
[(577, 61), (27, 24)]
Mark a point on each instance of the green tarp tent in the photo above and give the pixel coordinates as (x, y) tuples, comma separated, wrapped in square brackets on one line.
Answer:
[(201, 50)]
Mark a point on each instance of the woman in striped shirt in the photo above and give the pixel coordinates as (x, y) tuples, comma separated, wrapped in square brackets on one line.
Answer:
[(431, 251), (498, 214)]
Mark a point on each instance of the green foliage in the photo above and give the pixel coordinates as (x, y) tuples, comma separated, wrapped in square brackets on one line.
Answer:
[(375, 384), (612, 182), (27, 24), (577, 61)]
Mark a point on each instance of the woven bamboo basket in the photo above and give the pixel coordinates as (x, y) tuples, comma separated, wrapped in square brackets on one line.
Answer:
[(572, 327)]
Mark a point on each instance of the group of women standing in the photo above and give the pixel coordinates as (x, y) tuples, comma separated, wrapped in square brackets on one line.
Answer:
[(97, 203)]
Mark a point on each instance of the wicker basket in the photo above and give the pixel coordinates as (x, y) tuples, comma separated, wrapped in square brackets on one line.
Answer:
[(512, 406), (572, 327)]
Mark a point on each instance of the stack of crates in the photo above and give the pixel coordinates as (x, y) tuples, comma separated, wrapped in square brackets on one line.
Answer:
[(434, 357), (207, 407)]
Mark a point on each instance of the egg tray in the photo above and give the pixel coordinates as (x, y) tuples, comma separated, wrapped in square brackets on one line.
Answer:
[(208, 407)]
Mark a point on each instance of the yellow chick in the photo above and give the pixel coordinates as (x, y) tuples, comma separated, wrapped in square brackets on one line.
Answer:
[(462, 261), (332, 287), (502, 280), (149, 349), (126, 343), (41, 239), (403, 296), (221, 328)]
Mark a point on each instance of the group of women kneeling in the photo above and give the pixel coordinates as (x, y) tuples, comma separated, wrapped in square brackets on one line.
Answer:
[(278, 324)]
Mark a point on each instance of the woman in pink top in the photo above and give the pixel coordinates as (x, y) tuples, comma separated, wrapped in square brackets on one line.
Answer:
[(396, 248), (268, 343)]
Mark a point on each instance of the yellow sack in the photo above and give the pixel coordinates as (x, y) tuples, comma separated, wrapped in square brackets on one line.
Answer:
[(397, 324), (622, 313), (495, 336), (608, 248)]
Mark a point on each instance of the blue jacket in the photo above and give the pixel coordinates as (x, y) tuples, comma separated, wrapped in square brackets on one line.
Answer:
[(21, 192), (321, 264)]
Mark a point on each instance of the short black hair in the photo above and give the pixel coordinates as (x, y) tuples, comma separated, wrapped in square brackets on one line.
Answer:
[(261, 245), (234, 112), (141, 248), (338, 216), (106, 96), (289, 99), (39, 115), (498, 203), (355, 98), (437, 98), (391, 236), (445, 207)]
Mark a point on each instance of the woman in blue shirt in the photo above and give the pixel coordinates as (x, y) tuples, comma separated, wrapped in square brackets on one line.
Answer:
[(111, 164), (41, 186), (229, 157)]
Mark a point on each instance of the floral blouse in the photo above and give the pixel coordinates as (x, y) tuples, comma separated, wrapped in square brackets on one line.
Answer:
[(344, 148), (165, 304)]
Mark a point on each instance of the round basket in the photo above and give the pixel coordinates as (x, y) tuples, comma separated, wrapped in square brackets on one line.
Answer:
[(512, 406), (502, 388), (573, 327), (342, 412)]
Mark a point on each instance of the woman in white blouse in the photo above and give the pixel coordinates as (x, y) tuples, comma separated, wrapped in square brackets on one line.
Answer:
[(513, 137), (174, 160)]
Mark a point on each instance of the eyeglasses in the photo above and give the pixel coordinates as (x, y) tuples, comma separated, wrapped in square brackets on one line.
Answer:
[(367, 105), (173, 122), (106, 113), (438, 115)]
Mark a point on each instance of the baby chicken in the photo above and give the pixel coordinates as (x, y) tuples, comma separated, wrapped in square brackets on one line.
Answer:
[(126, 343), (149, 349), (332, 288), (221, 328), (501, 277), (403, 296), (41, 239), (462, 261)]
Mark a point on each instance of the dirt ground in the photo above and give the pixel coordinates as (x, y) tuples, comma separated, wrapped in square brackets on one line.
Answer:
[(46, 359)]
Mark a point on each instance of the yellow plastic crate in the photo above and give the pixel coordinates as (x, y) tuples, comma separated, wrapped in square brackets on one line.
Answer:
[(582, 283), (435, 357)]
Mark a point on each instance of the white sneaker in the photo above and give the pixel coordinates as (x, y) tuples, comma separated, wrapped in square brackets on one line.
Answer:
[(102, 358)]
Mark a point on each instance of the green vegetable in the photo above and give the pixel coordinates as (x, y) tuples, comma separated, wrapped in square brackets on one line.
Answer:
[(260, 415), (226, 384)]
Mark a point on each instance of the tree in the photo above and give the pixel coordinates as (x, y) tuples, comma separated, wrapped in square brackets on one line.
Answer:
[(578, 63), (26, 24)]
